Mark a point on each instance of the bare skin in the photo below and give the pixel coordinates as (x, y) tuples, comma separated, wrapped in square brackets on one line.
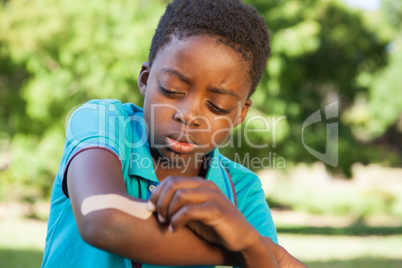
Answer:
[(97, 171), (181, 200), (207, 85), (200, 205)]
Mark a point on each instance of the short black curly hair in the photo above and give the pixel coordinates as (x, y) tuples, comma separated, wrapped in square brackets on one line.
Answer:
[(232, 22)]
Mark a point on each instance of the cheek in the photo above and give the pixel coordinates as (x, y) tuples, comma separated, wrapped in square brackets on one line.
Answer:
[(220, 131), (156, 108), (158, 116)]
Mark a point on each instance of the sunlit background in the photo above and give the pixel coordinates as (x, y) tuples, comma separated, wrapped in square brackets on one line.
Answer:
[(56, 55)]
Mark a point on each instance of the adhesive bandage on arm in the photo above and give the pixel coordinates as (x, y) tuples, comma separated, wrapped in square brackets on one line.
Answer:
[(114, 201)]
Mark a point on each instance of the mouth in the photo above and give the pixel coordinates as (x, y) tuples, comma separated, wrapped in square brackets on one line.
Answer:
[(180, 144)]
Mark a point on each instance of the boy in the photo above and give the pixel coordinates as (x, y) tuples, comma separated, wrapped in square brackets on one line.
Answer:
[(205, 61)]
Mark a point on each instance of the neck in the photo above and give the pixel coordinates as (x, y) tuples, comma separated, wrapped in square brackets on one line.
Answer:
[(164, 169), (184, 167)]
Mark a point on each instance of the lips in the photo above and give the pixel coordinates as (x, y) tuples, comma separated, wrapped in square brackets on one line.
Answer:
[(180, 144)]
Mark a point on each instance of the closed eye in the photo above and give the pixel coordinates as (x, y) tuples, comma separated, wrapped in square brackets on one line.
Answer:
[(216, 109), (170, 93)]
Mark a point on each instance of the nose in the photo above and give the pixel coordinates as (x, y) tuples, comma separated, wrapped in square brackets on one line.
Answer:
[(188, 113)]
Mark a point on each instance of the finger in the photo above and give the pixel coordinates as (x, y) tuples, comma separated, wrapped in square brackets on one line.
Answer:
[(205, 213), (156, 192), (170, 185), (190, 182), (179, 191), (153, 200), (204, 231), (183, 197), (167, 190)]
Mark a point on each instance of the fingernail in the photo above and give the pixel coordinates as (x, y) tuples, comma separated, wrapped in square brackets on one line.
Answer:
[(161, 218), (171, 228), (150, 206)]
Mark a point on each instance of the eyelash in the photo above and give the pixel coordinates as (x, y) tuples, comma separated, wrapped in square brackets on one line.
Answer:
[(216, 109), (212, 107), (169, 92)]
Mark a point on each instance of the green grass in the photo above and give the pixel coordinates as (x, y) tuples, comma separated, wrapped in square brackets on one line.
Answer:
[(354, 230), (22, 242), (343, 251), (20, 258), (347, 202), (346, 249), (373, 190), (365, 262)]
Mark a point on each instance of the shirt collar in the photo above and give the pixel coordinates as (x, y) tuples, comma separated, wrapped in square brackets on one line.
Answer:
[(218, 174), (141, 163)]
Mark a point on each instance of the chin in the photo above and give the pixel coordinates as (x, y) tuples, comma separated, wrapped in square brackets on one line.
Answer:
[(173, 157)]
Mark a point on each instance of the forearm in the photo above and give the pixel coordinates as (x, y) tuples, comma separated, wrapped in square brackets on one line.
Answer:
[(261, 254), (266, 253), (142, 240)]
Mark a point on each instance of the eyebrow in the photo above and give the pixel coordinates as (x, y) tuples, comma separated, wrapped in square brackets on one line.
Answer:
[(223, 91), (186, 80), (174, 72)]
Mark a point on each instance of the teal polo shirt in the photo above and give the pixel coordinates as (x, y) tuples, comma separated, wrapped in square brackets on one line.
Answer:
[(120, 129)]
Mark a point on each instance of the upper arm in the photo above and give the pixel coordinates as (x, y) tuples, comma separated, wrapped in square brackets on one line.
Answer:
[(96, 124), (93, 157), (93, 172)]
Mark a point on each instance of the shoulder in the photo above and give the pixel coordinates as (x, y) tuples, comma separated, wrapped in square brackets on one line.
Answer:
[(103, 123), (108, 106), (243, 178), (103, 111), (133, 109)]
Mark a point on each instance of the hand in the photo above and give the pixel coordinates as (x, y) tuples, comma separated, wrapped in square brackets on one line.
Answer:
[(283, 257), (200, 204), (204, 231)]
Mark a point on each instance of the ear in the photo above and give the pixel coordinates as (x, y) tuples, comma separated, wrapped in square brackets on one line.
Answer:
[(243, 112), (143, 78)]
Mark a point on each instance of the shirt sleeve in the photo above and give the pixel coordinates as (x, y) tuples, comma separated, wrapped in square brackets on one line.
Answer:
[(96, 124)]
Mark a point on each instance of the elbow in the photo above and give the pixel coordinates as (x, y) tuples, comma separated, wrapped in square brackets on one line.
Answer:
[(98, 229), (90, 229)]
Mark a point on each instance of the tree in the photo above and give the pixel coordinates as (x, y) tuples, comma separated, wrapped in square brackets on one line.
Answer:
[(55, 56), (319, 49)]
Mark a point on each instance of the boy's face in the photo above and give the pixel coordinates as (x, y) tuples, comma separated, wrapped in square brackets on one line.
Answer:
[(195, 93)]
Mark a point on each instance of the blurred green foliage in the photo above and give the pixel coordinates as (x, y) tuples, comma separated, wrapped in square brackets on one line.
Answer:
[(320, 51), (359, 205), (56, 55), (376, 115)]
